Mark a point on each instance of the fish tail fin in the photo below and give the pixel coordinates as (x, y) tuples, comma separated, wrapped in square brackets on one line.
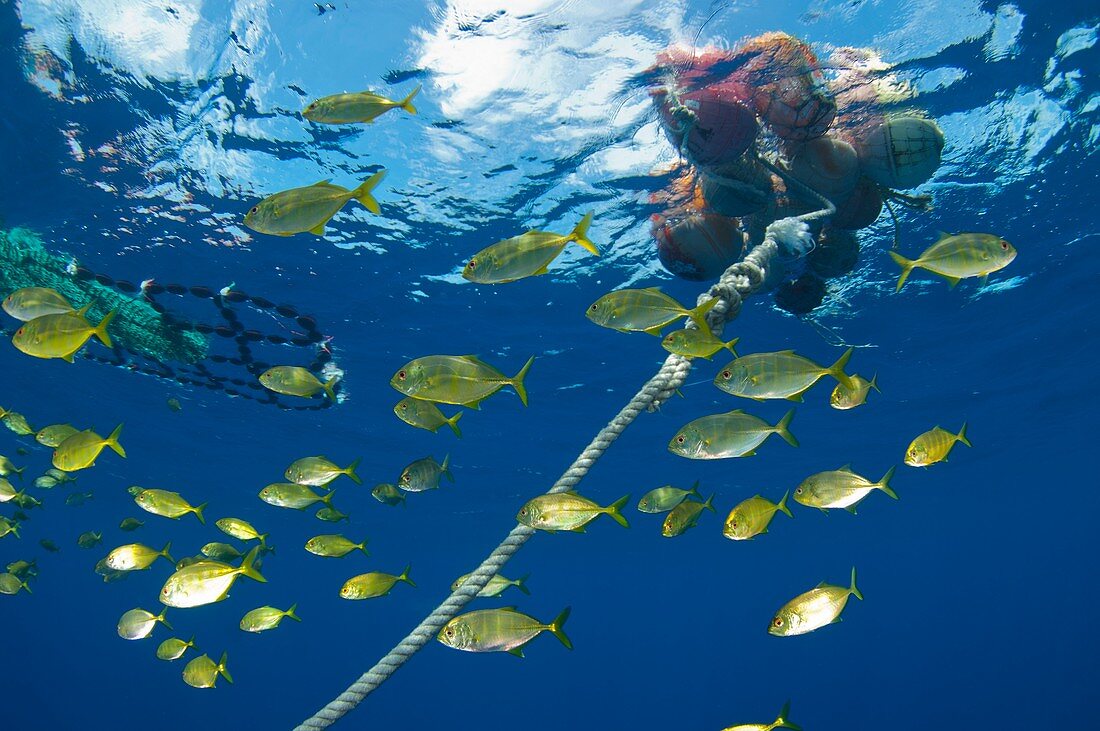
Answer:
[(405, 576), (445, 468), (363, 547), (853, 589), (164, 552), (112, 442), (406, 103), (782, 507), (699, 314), (101, 329), (521, 584), (327, 499), (198, 512), (557, 625), (327, 386), (695, 490), (363, 192), (517, 381), (709, 503), (248, 566), (783, 429), (290, 613), (580, 235), (222, 669), (836, 370), (23, 585), (906, 268), (453, 423), (729, 346), (884, 483), (350, 472), (874, 383), (961, 436), (160, 618), (615, 510), (781, 720)]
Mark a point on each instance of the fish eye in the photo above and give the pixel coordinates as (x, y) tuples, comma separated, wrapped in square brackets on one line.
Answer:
[(798, 491), (778, 621), (523, 511), (472, 264), (595, 306), (726, 375), (680, 439), (401, 375), (1004, 245), (450, 632)]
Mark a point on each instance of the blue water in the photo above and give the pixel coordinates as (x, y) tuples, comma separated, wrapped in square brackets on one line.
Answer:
[(135, 136)]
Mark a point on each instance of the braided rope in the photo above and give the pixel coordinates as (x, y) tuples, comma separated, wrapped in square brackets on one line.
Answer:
[(737, 282)]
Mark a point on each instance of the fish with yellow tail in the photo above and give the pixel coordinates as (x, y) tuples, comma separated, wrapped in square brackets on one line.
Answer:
[(425, 474), (933, 446), (696, 343), (240, 529), (814, 609), (81, 450), (29, 303), (752, 517), (168, 504), (781, 721), (685, 516), (294, 496), (500, 630), (959, 256), (53, 435), (840, 488), (456, 379), (360, 107), (137, 624), (318, 471), (334, 546), (372, 585), (646, 310), (781, 375), (299, 210), (526, 255), (265, 618), (568, 511), (425, 415), (296, 381), (664, 499), (202, 672), (60, 336), (206, 582), (174, 648), (732, 434), (845, 398), (495, 586), (136, 557)]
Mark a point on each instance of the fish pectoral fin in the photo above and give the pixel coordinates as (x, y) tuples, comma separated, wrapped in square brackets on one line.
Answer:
[(319, 229)]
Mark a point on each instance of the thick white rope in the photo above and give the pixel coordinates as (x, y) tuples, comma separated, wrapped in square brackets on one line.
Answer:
[(737, 282)]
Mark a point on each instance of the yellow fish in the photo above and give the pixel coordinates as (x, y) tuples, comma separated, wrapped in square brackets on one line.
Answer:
[(11, 584), (240, 529), (373, 584), (17, 423), (265, 618), (31, 302), (60, 336), (684, 516), (361, 106), (816, 608), (526, 255), (7, 467), (296, 381), (696, 343), (644, 310), (844, 398), (173, 648), (456, 379), (334, 546), (495, 586), (840, 488), (298, 210), (959, 256), (81, 450), (568, 511), (206, 582), (782, 375), (168, 504), (933, 446), (137, 624), (318, 471), (751, 517), (52, 436), (293, 495), (732, 434), (779, 722), (201, 672), (136, 557), (425, 415), (499, 630)]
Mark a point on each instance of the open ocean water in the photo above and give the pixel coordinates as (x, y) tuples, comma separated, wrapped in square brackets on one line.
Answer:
[(136, 135)]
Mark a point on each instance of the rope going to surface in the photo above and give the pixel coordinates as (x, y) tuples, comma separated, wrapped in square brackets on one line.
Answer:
[(737, 282)]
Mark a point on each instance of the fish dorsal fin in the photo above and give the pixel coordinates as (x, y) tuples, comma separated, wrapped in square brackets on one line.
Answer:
[(845, 468), (941, 235), (509, 609), (735, 411), (821, 584), (652, 289), (326, 181)]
